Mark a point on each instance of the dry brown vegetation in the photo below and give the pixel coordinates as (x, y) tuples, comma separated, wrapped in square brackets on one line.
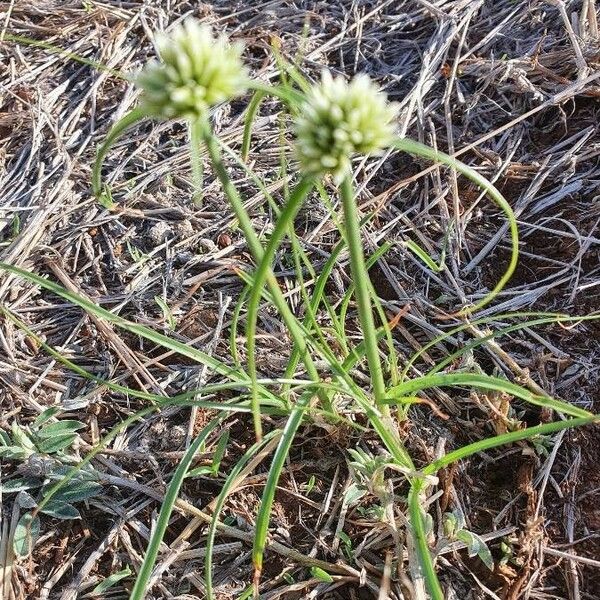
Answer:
[(510, 86)]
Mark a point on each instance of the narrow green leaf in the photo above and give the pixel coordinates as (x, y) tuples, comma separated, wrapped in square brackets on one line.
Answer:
[(220, 451), (482, 381), (418, 522), (117, 130), (321, 575), (466, 326), (199, 472), (110, 581), (187, 398), (249, 119), (167, 314), (417, 515), (212, 529), (505, 438), (505, 331), (15, 226), (144, 332), (310, 485), (286, 94), (263, 275), (22, 39), (139, 589), (416, 249)]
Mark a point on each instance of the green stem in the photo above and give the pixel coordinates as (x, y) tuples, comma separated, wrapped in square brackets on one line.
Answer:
[(195, 132), (506, 438), (251, 113), (257, 250), (289, 212), (360, 276), (417, 516), (117, 130), (417, 521), (145, 572)]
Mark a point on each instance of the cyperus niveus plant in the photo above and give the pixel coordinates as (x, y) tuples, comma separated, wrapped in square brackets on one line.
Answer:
[(335, 120)]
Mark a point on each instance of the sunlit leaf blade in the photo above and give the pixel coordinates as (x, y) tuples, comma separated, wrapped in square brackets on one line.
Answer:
[(488, 382)]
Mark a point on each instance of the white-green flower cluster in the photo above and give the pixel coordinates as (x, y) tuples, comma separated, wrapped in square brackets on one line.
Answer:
[(339, 119), (196, 71)]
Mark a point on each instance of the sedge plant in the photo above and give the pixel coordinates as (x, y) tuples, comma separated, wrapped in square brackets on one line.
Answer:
[(334, 121)]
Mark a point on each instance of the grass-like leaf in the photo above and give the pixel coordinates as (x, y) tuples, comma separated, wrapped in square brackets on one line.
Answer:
[(488, 382), (141, 582), (416, 512), (249, 119), (229, 481), (418, 149), (117, 130), (507, 438), (185, 350)]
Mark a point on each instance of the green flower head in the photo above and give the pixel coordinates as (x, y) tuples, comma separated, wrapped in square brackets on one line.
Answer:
[(339, 119), (196, 71)]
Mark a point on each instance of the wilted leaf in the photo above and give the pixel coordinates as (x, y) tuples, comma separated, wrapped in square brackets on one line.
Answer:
[(25, 500), (353, 495)]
